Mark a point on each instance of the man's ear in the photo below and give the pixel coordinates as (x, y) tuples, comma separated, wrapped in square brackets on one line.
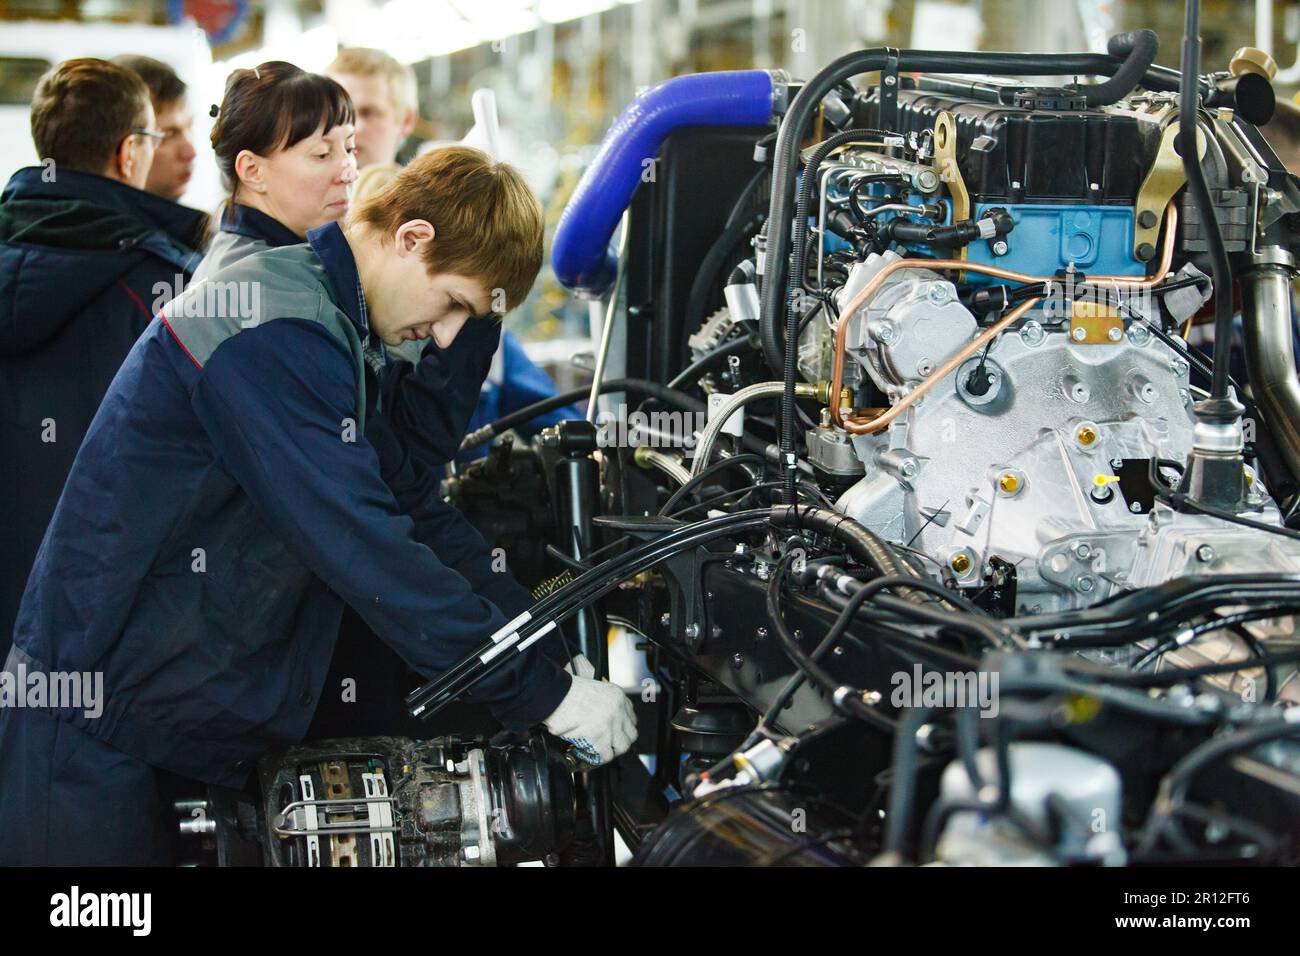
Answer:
[(122, 164), (412, 235), (408, 123), (250, 171)]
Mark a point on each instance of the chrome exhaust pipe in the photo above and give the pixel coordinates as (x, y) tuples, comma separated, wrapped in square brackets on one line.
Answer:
[(1270, 355)]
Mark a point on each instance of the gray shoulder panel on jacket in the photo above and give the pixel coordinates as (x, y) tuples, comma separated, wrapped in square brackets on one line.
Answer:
[(283, 283)]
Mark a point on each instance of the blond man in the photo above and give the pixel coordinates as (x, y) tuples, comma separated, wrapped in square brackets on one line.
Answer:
[(383, 92)]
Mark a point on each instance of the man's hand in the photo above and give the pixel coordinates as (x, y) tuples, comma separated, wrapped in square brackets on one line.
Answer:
[(595, 716)]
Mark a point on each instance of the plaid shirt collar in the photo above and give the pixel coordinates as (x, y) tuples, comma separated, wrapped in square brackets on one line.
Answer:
[(372, 346)]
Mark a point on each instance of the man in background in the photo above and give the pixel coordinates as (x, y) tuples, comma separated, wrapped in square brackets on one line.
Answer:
[(84, 251), (384, 94), (173, 159)]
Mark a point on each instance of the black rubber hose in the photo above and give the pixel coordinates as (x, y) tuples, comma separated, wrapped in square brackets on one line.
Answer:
[(958, 234), (1139, 49), (862, 543), (788, 374), (688, 375), (738, 229), (845, 697), (516, 418), (642, 386), (705, 474), (580, 592), (729, 243), (1221, 270), (898, 820), (1174, 786)]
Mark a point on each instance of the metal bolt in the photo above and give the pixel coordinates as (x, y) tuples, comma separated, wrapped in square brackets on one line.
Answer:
[(760, 634), (1135, 507), (924, 367), (1117, 463), (1079, 333), (665, 619), (1083, 550), (1205, 554), (1139, 334), (1147, 219), (692, 631), (908, 468), (1031, 333), (886, 334), (1000, 247), (938, 293), (1086, 435), (890, 80), (1009, 483), (470, 853), (737, 660), (1085, 583), (1115, 333), (960, 562), (838, 652)]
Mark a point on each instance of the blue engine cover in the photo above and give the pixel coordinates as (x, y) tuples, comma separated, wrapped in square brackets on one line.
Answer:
[(1048, 237)]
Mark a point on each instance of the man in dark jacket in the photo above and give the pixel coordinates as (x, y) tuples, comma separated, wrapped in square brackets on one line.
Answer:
[(229, 497), (83, 255)]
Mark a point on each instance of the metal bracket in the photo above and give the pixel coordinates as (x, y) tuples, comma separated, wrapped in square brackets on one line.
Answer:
[(889, 92), (301, 817), (945, 164), (1095, 323), (381, 821), (1164, 178), (689, 613)]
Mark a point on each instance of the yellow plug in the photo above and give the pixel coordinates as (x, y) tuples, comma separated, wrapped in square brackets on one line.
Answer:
[(1101, 492)]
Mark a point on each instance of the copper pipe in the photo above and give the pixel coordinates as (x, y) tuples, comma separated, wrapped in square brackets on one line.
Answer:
[(857, 426), (868, 426)]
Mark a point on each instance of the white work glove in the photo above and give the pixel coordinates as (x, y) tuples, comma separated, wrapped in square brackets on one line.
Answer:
[(579, 666), (595, 717)]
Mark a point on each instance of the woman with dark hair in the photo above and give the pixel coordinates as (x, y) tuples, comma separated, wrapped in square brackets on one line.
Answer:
[(286, 148)]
